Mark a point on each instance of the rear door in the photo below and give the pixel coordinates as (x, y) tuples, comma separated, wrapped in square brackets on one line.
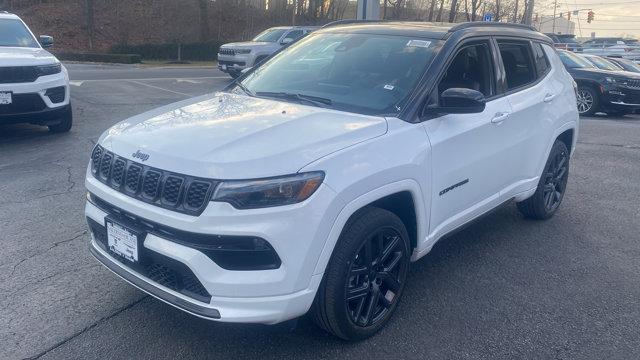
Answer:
[(529, 88), (467, 173)]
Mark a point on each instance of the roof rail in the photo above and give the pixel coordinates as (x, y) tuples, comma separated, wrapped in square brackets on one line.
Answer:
[(349, 21), (473, 24)]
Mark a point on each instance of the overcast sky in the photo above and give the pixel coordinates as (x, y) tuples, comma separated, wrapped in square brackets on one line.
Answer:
[(612, 17)]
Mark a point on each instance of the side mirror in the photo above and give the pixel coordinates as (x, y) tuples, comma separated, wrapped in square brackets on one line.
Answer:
[(286, 41), (46, 41), (459, 101)]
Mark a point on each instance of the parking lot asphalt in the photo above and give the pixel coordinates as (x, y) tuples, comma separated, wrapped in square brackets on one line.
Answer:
[(503, 288)]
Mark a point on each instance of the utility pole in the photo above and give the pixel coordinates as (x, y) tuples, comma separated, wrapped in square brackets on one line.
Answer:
[(555, 6)]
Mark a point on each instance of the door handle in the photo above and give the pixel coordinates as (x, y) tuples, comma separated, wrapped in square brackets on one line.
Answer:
[(549, 97), (499, 117)]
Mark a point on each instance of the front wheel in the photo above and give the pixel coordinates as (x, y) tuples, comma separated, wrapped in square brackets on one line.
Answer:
[(551, 187), (588, 100), (365, 277), (65, 122)]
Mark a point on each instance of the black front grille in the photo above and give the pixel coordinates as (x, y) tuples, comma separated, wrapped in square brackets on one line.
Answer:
[(226, 51), (156, 267), (23, 103), (239, 253), (634, 84), (18, 74), (181, 193)]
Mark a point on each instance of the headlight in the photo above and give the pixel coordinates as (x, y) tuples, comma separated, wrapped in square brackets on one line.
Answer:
[(44, 70), (243, 51), (616, 81), (269, 192)]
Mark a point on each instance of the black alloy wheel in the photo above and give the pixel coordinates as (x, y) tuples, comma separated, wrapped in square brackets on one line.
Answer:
[(551, 187), (375, 274), (555, 180), (365, 278)]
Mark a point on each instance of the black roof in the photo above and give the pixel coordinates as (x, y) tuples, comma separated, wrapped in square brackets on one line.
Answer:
[(433, 30)]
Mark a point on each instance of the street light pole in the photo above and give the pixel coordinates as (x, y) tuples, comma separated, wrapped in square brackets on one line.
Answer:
[(555, 6)]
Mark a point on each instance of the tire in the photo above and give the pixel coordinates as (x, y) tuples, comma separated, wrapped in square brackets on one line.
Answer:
[(378, 287), (551, 187), (234, 74), (66, 121), (588, 100)]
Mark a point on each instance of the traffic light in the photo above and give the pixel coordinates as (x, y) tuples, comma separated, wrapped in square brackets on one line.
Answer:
[(590, 16)]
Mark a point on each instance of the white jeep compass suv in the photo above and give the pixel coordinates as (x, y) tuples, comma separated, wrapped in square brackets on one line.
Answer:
[(34, 86), (313, 181), (233, 58)]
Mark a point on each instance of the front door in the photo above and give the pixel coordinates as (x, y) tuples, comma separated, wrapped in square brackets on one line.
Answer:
[(466, 170)]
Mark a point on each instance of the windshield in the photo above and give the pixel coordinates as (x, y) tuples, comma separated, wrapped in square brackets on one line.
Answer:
[(270, 35), (603, 64), (13, 33), (572, 61), (567, 39), (629, 65), (364, 73)]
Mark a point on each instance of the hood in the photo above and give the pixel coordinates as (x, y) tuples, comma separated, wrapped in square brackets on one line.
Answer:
[(22, 56), (228, 136), (250, 44), (595, 72)]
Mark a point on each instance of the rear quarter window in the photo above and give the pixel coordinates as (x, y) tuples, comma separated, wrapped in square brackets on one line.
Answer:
[(518, 63), (541, 60)]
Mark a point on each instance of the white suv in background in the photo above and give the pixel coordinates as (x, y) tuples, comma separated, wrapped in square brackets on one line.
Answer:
[(235, 57), (34, 86), (314, 180)]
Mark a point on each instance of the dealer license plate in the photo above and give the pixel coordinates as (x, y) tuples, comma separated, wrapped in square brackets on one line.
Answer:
[(122, 241), (5, 98), (224, 67)]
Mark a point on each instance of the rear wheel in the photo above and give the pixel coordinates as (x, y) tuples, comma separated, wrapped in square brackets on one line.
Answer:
[(588, 100), (365, 278), (66, 120), (553, 183)]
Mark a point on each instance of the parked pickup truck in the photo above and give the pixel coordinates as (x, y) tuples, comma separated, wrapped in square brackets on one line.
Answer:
[(235, 57)]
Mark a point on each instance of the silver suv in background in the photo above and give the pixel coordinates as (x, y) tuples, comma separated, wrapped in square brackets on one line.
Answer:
[(235, 57)]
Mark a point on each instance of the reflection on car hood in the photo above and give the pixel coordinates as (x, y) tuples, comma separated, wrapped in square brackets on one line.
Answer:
[(22, 56), (590, 72), (229, 136)]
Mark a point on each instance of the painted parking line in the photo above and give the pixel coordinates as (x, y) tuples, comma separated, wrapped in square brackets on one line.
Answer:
[(160, 88), (80, 81)]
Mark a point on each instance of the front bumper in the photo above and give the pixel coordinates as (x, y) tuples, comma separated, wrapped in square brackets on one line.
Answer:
[(621, 98), (235, 63), (41, 102), (297, 233)]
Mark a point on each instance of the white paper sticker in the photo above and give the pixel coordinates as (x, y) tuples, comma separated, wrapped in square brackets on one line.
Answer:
[(419, 43), (389, 87)]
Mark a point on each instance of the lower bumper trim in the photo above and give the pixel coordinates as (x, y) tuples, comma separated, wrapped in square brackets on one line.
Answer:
[(152, 290)]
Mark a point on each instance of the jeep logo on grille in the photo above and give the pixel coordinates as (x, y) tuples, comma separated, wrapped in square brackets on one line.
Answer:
[(140, 155)]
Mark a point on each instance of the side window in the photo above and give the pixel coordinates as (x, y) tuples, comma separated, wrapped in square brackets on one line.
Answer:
[(542, 63), (471, 68), (294, 34), (518, 63)]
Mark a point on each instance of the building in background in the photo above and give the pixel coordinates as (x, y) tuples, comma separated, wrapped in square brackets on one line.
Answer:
[(545, 24)]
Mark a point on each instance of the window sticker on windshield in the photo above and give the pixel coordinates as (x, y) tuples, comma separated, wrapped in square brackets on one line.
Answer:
[(389, 87), (419, 43)]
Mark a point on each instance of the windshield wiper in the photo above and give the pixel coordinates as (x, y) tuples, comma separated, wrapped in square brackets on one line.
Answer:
[(315, 100), (244, 88)]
